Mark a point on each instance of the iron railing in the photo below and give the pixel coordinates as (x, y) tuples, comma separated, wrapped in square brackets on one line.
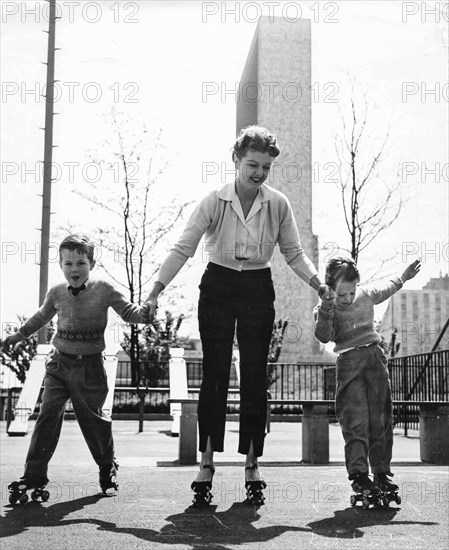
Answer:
[(422, 377)]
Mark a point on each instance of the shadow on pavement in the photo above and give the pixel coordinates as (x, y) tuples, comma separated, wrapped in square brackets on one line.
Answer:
[(193, 527), (19, 517), (215, 529), (196, 527), (349, 523)]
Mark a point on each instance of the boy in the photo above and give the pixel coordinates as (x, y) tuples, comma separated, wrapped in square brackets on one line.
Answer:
[(345, 316), (74, 368)]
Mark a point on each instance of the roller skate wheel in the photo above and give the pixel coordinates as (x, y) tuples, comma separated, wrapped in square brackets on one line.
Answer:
[(386, 501), (202, 499), (13, 498), (365, 503), (35, 496), (353, 500), (23, 499), (256, 499), (205, 499), (398, 499)]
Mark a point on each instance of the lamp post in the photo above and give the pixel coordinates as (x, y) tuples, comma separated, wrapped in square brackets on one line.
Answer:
[(47, 168)]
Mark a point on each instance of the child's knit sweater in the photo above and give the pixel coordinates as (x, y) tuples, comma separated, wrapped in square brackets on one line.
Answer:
[(353, 325), (82, 319)]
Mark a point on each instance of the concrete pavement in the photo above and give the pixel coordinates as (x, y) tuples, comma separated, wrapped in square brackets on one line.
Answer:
[(306, 506)]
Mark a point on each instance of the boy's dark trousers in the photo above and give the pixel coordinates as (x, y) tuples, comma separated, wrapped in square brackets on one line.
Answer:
[(84, 382), (364, 409), (232, 301)]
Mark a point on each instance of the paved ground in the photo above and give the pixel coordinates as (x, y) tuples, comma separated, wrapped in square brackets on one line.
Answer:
[(306, 507)]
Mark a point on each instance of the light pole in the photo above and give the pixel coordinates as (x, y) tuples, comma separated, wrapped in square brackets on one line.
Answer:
[(47, 168)]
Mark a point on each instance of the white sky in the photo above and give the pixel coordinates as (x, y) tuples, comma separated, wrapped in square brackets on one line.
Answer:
[(151, 60)]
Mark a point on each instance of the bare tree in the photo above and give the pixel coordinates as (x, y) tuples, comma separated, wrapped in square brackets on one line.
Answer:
[(136, 219), (371, 203)]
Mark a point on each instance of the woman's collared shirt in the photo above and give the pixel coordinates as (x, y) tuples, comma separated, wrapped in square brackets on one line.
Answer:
[(237, 243)]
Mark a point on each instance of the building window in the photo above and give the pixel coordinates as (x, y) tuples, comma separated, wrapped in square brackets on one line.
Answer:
[(415, 308), (404, 306)]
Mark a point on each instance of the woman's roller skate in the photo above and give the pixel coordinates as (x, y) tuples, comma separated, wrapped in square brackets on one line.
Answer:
[(18, 490), (366, 491), (202, 489), (254, 488), (108, 477), (389, 490)]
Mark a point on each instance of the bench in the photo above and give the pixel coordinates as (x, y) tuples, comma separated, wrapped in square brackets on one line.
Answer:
[(315, 437), (434, 429)]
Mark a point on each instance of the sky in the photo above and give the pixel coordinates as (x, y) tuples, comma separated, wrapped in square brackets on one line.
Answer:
[(173, 66)]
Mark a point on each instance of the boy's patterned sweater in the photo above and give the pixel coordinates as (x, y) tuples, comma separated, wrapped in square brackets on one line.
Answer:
[(82, 319)]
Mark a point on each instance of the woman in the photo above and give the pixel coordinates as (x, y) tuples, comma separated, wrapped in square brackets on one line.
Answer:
[(242, 223)]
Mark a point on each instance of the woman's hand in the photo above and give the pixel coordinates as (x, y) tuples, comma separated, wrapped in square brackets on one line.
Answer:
[(150, 306), (149, 309), (12, 340)]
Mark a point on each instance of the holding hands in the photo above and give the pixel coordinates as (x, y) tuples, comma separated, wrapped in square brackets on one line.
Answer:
[(411, 271), (12, 340), (150, 306), (149, 310), (327, 295)]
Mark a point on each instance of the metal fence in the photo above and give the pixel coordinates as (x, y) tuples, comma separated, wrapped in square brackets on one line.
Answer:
[(422, 377)]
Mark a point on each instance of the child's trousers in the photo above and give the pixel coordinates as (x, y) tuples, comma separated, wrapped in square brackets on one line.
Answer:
[(84, 382), (364, 409), (242, 302)]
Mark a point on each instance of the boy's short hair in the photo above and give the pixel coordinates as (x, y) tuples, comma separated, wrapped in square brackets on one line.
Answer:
[(81, 243), (343, 269)]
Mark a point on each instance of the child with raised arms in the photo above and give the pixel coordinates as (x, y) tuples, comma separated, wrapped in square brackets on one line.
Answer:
[(345, 316)]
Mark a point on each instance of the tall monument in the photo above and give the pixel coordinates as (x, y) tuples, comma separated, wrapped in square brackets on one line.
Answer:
[(275, 92)]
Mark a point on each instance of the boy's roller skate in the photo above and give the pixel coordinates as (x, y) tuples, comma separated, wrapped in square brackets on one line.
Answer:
[(389, 490), (18, 490), (254, 488), (108, 477), (202, 489), (366, 491)]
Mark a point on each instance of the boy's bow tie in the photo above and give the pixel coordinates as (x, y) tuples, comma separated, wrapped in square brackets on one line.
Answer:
[(76, 290)]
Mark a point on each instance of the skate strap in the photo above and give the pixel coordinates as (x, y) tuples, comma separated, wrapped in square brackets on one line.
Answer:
[(254, 484), (208, 467)]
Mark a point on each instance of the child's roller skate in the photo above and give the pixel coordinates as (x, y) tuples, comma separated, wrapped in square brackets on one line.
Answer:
[(389, 490), (254, 488), (366, 491), (202, 489), (18, 490), (108, 477)]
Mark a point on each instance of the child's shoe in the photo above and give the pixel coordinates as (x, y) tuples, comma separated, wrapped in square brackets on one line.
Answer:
[(363, 484), (384, 483), (389, 490), (366, 491), (18, 489), (108, 477)]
